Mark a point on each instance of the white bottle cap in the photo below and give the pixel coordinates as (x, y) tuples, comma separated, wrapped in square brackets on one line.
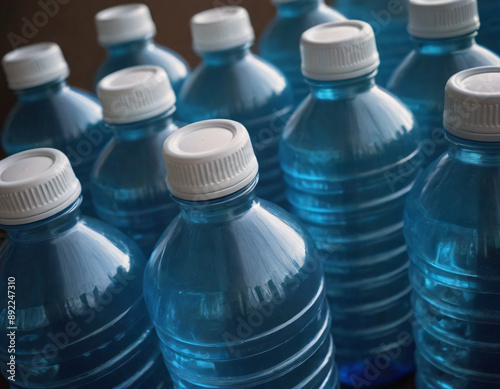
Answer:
[(442, 18), (124, 23), (472, 104), (338, 51), (34, 65), (221, 28), (34, 185), (209, 159), (135, 93)]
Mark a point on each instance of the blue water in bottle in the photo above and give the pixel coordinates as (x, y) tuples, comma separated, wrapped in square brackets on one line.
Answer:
[(350, 155), (388, 19), (489, 13), (234, 287), (127, 33), (420, 79), (128, 179), (451, 227), (233, 83), (50, 113), (280, 41), (80, 318)]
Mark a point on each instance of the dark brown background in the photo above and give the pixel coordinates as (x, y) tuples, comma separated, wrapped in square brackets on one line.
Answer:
[(73, 29)]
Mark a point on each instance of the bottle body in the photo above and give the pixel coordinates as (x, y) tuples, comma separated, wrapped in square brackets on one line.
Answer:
[(450, 228), (253, 314), (490, 24), (144, 52), (389, 21), (280, 42), (128, 181), (81, 319), (239, 86), (350, 155), (421, 79), (58, 116)]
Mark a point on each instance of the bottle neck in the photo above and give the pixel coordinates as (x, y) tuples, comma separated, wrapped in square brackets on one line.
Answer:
[(296, 8), (130, 47), (221, 209), (474, 152), (224, 57), (42, 91), (47, 228), (144, 128), (334, 90), (445, 45)]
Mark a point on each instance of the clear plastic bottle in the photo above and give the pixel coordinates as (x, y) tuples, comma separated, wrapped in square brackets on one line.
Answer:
[(451, 227), (388, 19), (444, 44), (49, 113), (127, 33), (128, 179), (280, 41), (489, 12), (232, 83), (80, 318), (350, 155), (234, 286)]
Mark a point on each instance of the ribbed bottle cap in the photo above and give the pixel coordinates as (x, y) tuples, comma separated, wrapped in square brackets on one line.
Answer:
[(34, 185), (135, 93), (338, 51), (442, 18), (221, 28), (34, 65), (124, 23), (209, 159), (472, 104)]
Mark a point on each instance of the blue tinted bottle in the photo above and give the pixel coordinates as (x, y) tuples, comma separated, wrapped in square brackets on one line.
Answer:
[(280, 41), (451, 227), (489, 12), (444, 44), (388, 19), (79, 320), (128, 179), (127, 33), (350, 155), (50, 113), (234, 287), (232, 83)]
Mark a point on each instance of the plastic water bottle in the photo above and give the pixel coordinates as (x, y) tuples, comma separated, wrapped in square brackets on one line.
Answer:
[(127, 33), (128, 179), (232, 83), (279, 43), (444, 44), (350, 155), (388, 19), (489, 12), (78, 319), (49, 113), (451, 227), (234, 287)]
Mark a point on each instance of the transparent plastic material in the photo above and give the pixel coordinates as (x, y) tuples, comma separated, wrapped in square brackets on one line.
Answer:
[(80, 314), (279, 43), (421, 79), (235, 84), (451, 227), (128, 180), (350, 155), (144, 52), (58, 116), (489, 14), (244, 307), (389, 20)]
